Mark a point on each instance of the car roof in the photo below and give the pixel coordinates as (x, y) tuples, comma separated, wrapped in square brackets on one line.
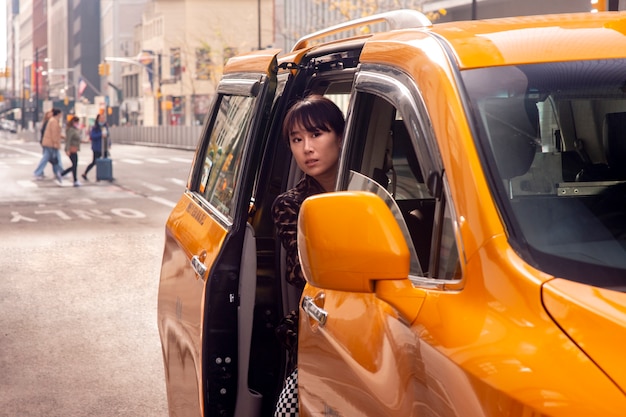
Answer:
[(484, 43), (536, 39)]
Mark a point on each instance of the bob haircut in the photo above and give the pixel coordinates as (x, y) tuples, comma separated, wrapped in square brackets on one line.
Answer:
[(314, 112)]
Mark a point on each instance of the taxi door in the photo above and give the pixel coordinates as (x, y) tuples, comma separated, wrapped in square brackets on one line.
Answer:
[(358, 354), (210, 250)]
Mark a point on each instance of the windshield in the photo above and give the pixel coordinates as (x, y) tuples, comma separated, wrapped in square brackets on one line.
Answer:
[(553, 140)]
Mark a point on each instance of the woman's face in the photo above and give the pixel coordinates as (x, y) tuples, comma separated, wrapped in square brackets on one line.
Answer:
[(316, 153)]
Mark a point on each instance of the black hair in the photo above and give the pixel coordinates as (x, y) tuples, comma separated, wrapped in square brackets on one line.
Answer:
[(56, 111), (314, 112)]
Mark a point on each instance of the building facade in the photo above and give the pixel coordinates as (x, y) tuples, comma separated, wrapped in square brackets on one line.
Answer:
[(164, 57)]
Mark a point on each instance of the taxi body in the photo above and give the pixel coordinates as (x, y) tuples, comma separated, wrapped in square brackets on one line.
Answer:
[(472, 260)]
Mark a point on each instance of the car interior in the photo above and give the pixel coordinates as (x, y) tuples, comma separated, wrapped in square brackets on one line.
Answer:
[(560, 159)]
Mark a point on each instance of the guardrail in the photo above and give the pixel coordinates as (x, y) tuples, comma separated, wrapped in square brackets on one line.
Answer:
[(180, 137)]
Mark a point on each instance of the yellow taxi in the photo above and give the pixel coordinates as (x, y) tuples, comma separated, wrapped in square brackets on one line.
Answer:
[(472, 260)]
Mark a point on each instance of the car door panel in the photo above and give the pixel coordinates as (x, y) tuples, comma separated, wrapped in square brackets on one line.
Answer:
[(181, 295), (205, 242), (371, 374)]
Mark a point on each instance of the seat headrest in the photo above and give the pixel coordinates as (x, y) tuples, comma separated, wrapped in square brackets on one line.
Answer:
[(402, 147), (512, 128), (614, 141)]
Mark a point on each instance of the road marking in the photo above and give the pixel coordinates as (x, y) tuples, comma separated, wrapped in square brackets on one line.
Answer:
[(153, 187), (25, 152), (185, 160), (157, 161), (80, 214), (163, 201), (27, 184), (81, 201), (178, 181), (132, 161), (26, 162)]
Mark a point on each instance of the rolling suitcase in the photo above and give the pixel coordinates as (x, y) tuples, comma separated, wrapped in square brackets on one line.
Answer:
[(104, 164), (104, 169)]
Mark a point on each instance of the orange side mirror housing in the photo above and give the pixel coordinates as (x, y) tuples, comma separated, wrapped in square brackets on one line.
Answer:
[(348, 240)]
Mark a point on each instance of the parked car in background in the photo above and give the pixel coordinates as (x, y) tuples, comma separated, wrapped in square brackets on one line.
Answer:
[(472, 261)]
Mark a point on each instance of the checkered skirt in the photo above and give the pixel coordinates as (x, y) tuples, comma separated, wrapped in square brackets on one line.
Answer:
[(287, 405)]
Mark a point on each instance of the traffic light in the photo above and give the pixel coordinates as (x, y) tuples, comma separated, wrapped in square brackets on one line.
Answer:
[(104, 69)]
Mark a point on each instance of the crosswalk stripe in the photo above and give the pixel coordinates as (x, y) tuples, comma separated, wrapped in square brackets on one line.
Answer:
[(153, 187), (157, 161), (184, 160), (132, 161), (27, 184), (178, 181), (162, 200)]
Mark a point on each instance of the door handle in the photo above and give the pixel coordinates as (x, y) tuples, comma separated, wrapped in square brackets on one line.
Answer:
[(313, 310), (198, 265)]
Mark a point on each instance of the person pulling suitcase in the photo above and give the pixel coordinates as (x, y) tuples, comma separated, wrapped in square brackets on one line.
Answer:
[(100, 145)]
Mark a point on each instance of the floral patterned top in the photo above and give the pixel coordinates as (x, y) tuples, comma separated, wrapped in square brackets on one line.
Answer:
[(285, 212)]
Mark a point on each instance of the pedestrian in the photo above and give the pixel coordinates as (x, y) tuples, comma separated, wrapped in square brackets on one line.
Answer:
[(51, 142), (313, 128), (98, 135), (72, 146), (47, 115)]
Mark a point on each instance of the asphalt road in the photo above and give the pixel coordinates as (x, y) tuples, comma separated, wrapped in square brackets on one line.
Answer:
[(79, 271)]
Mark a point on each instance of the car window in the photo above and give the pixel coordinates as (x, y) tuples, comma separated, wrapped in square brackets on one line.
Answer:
[(552, 138), (383, 148), (222, 160)]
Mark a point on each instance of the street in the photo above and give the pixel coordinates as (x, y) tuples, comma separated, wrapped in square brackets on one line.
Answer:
[(78, 288)]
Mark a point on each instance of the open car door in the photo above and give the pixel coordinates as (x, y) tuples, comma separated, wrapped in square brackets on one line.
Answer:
[(210, 250)]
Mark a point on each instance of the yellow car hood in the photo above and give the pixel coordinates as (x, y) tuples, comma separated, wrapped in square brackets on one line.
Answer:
[(595, 319)]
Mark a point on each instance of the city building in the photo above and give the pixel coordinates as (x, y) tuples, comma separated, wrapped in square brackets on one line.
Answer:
[(156, 62)]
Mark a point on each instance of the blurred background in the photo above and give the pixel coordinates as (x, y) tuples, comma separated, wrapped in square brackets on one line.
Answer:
[(148, 63)]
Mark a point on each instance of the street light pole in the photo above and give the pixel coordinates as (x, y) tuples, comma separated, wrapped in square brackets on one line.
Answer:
[(159, 101), (158, 73), (36, 114), (23, 119)]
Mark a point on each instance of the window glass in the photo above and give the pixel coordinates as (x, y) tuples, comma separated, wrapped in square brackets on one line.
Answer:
[(449, 263), (552, 139), (223, 157), (385, 151)]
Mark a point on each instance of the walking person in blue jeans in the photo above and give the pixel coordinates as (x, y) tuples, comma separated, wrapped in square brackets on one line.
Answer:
[(51, 144), (98, 132)]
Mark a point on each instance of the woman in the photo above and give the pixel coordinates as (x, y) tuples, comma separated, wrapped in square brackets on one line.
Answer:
[(72, 146), (47, 115), (96, 135), (313, 128), (51, 143)]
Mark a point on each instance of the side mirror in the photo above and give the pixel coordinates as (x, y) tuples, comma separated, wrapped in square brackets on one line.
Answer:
[(348, 240)]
